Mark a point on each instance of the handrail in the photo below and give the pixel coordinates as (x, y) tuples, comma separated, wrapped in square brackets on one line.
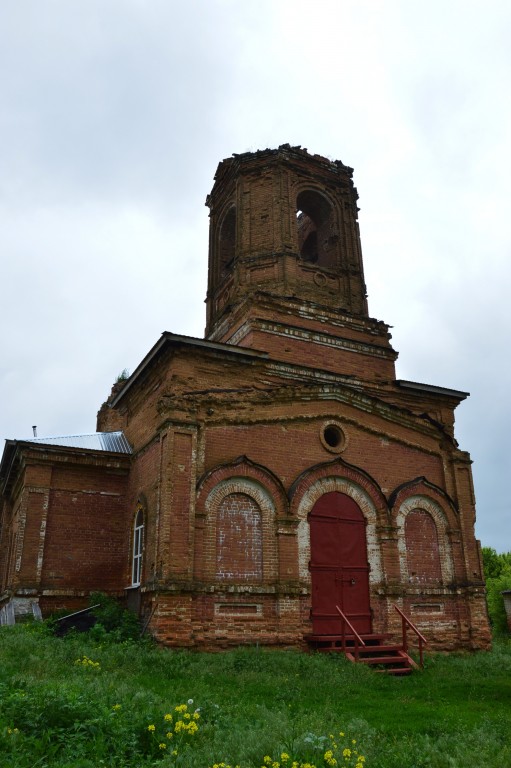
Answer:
[(358, 639), (405, 623)]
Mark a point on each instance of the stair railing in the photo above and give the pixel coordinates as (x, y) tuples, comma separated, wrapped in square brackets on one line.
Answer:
[(358, 640), (405, 624)]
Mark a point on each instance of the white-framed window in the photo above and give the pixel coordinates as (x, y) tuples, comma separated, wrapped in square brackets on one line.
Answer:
[(138, 548)]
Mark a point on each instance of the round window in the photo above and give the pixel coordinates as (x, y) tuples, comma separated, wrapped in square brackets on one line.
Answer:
[(333, 438)]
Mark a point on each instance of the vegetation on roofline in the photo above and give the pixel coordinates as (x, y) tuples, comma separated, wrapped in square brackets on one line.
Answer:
[(122, 376)]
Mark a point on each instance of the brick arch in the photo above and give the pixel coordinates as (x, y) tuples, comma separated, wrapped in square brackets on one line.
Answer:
[(304, 186), (316, 226), (230, 483), (243, 468), (343, 478), (420, 486), (341, 469), (428, 505)]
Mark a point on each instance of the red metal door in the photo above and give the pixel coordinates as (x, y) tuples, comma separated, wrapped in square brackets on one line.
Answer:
[(339, 567)]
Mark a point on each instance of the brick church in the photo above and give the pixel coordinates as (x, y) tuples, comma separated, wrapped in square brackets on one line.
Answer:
[(241, 487)]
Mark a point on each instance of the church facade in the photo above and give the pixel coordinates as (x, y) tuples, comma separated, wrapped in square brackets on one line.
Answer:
[(241, 487)]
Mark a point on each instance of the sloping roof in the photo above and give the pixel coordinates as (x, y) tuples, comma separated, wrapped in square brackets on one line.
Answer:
[(173, 339), (431, 389), (108, 442), (97, 441)]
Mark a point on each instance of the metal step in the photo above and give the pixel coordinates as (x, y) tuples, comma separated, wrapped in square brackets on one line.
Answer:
[(384, 660), (380, 649), (348, 638), (396, 671), (390, 658)]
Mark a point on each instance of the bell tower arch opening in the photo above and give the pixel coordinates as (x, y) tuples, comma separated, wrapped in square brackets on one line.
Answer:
[(283, 229), (226, 242), (315, 226)]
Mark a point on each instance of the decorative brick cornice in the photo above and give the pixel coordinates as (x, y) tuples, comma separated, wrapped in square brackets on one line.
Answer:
[(322, 339)]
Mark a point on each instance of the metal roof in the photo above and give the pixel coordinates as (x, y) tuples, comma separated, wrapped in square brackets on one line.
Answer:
[(98, 441), (432, 389)]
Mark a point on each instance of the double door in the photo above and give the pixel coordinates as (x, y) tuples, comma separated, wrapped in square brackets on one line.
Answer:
[(338, 565)]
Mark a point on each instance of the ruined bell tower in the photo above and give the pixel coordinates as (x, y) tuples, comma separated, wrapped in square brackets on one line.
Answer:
[(285, 263), (283, 223)]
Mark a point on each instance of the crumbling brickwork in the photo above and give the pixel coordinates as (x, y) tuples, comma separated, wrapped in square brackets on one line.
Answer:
[(290, 407)]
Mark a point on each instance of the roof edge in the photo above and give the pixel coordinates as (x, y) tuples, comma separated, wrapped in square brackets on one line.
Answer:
[(432, 389), (172, 339)]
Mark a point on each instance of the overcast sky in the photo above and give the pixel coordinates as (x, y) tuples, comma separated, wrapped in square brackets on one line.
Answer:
[(113, 117)]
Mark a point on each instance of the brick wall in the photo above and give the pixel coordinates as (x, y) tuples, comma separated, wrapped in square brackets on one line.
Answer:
[(231, 452)]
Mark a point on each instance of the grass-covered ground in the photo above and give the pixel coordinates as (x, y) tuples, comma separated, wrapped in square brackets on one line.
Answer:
[(252, 703)]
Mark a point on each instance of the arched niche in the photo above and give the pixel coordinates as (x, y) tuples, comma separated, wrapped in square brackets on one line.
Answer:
[(240, 541), (427, 511)]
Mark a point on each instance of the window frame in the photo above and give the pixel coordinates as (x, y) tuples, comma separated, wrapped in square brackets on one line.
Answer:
[(137, 549)]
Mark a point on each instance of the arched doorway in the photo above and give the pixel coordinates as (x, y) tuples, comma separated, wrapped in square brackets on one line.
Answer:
[(338, 565)]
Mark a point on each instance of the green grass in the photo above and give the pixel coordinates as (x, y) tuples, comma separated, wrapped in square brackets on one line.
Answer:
[(454, 714)]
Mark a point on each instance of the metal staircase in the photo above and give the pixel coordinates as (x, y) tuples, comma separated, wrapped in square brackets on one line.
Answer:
[(372, 649)]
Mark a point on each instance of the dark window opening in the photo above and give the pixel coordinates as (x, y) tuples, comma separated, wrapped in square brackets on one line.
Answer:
[(227, 242), (309, 250), (333, 436), (314, 221)]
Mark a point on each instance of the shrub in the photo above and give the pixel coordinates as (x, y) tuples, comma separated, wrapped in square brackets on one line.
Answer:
[(113, 619), (497, 569)]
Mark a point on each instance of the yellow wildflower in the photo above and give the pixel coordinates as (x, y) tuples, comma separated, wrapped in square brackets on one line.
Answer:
[(151, 728), (162, 745), (168, 717)]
